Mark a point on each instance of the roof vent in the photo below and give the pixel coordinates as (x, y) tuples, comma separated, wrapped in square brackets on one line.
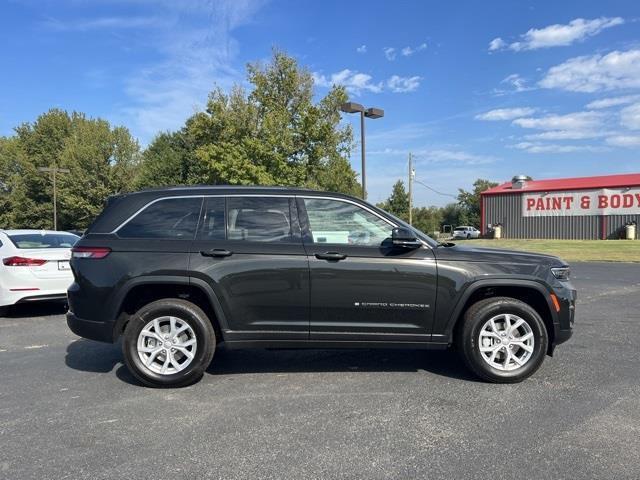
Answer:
[(519, 181)]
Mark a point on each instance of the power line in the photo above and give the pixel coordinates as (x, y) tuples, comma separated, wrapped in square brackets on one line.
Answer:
[(434, 190)]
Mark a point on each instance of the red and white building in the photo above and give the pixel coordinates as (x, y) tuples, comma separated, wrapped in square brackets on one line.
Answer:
[(564, 208)]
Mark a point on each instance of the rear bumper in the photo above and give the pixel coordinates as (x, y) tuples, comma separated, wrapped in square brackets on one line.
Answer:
[(53, 297), (13, 297), (99, 331)]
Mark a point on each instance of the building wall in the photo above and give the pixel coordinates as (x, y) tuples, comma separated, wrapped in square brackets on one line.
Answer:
[(507, 210)]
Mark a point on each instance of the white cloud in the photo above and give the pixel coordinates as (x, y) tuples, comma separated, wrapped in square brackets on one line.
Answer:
[(533, 147), (613, 101), (629, 141), (567, 134), (518, 83), (572, 126), (630, 117), (570, 121), (505, 113), (515, 82), (557, 35), (445, 155), (497, 44), (403, 84), (437, 155), (362, 49), (357, 82), (389, 53), (596, 72), (195, 51), (408, 51), (108, 23), (400, 135)]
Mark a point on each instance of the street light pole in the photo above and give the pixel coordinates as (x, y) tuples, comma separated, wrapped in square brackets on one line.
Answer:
[(53, 171), (362, 156), (352, 107)]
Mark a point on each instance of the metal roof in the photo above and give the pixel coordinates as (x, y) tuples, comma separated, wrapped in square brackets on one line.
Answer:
[(577, 183)]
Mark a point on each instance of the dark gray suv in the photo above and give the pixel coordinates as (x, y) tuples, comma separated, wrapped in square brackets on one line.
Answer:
[(176, 271)]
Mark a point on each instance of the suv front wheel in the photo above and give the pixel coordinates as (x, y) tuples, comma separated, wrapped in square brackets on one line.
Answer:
[(168, 343), (502, 339)]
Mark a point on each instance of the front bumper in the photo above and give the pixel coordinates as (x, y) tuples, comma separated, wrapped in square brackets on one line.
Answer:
[(99, 331), (563, 327)]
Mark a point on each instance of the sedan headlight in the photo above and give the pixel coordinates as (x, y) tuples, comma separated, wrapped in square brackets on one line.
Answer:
[(561, 273)]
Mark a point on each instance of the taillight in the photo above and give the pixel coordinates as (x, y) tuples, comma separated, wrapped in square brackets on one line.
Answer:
[(23, 262), (90, 252)]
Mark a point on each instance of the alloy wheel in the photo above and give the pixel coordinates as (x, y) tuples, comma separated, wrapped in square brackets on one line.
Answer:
[(167, 345), (506, 342)]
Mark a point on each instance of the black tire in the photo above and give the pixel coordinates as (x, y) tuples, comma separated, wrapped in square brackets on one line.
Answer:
[(468, 334), (190, 314), (4, 311)]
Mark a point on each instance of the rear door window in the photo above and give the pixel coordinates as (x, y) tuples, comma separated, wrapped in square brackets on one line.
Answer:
[(170, 218), (212, 224), (259, 219)]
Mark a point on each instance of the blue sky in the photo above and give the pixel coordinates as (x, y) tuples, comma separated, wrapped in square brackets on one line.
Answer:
[(473, 89)]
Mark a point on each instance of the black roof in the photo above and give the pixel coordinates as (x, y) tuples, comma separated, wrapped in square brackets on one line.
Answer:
[(120, 207), (225, 188)]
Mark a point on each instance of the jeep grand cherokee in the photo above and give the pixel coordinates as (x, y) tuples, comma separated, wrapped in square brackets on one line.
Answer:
[(176, 271)]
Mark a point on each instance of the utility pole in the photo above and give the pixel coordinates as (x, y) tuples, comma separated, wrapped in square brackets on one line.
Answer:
[(411, 175), (53, 170)]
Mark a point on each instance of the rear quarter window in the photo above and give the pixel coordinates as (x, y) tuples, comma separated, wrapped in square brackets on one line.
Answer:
[(170, 218)]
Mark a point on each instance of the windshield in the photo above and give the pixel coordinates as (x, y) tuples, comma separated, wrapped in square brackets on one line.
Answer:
[(43, 240)]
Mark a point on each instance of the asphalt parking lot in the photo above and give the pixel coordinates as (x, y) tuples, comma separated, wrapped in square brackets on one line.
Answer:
[(69, 409)]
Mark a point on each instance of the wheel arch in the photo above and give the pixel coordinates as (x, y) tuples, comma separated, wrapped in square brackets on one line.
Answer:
[(141, 291), (531, 292)]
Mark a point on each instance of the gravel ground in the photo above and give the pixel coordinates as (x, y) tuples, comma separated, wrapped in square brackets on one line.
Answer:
[(70, 409)]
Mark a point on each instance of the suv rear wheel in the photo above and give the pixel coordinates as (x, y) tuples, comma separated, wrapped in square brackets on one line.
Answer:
[(502, 339), (168, 343)]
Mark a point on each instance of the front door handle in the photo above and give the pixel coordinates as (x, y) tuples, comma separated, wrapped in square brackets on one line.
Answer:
[(331, 256), (216, 252)]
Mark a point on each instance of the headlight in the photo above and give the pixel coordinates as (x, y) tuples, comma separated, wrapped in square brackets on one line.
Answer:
[(561, 273)]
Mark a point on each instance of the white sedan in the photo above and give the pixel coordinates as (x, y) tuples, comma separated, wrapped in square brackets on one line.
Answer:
[(34, 265), (465, 231)]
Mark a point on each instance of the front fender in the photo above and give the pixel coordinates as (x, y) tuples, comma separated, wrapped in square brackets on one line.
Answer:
[(443, 329)]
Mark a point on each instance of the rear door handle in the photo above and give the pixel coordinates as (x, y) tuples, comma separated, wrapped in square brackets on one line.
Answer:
[(331, 256), (216, 252)]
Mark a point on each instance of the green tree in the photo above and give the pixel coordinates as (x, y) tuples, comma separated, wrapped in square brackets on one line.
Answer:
[(454, 214), (101, 159), (275, 134), (470, 201), (398, 202), (167, 161), (427, 219)]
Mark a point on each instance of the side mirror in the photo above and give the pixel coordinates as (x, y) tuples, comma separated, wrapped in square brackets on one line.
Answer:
[(403, 237)]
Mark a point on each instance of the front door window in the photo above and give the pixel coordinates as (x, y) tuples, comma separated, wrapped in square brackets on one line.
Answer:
[(336, 222)]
